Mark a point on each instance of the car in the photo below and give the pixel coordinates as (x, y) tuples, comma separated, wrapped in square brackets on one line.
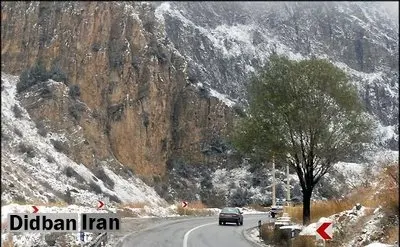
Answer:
[(275, 210), (231, 215)]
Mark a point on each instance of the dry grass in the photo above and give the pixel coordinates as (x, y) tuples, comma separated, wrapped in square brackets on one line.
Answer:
[(195, 208), (319, 209), (51, 204), (270, 235), (131, 209), (392, 235), (41, 203), (387, 197), (304, 241), (8, 242), (259, 208), (133, 205), (126, 212), (197, 205), (4, 226)]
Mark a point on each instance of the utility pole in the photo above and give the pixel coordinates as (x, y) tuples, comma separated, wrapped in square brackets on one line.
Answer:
[(273, 182), (288, 184)]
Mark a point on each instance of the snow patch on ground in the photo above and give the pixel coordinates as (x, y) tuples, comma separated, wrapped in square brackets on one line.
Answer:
[(379, 245), (349, 215)]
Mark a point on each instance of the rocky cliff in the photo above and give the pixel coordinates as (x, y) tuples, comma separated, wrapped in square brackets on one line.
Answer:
[(134, 106)]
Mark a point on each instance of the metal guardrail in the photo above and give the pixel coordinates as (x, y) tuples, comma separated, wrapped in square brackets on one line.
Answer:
[(100, 240)]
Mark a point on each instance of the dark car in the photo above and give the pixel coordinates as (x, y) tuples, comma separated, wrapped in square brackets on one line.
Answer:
[(232, 215)]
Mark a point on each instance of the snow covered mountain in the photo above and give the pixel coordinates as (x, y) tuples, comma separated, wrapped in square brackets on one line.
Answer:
[(35, 171), (150, 90), (225, 43)]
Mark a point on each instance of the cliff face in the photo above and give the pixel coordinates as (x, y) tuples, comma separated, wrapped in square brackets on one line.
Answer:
[(135, 104), (225, 43)]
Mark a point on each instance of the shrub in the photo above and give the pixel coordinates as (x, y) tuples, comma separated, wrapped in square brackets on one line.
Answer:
[(95, 187), (50, 159), (194, 208), (70, 172), (17, 132), (100, 173), (240, 197), (388, 196), (136, 61), (204, 93), (60, 146), (114, 198), (274, 236), (134, 205), (238, 109), (320, 209), (46, 92), (51, 238), (304, 241), (145, 119), (28, 149), (67, 197), (57, 74), (126, 212), (8, 241), (149, 25), (116, 53), (115, 112), (19, 199), (76, 110), (32, 76), (96, 47), (41, 129), (74, 91), (17, 111)]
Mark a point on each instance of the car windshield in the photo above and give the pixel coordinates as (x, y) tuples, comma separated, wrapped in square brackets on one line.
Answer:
[(229, 210)]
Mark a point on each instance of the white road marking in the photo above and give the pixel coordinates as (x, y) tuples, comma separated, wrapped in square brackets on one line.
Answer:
[(186, 237)]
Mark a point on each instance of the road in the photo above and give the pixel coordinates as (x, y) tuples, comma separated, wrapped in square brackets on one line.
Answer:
[(194, 232)]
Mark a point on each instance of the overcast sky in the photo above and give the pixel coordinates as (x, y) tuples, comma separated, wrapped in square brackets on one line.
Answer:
[(392, 7)]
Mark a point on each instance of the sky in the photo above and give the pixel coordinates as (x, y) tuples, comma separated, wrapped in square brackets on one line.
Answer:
[(392, 7)]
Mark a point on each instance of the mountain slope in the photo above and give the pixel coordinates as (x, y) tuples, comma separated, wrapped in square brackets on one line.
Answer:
[(34, 170), (225, 43), (151, 89)]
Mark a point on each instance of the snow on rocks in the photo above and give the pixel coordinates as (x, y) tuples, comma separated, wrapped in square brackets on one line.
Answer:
[(39, 172), (42, 180), (371, 231), (340, 220), (379, 245)]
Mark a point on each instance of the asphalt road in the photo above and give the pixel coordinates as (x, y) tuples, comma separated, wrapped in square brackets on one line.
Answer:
[(194, 232)]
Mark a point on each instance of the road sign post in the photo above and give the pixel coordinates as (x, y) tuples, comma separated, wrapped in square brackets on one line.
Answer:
[(184, 206)]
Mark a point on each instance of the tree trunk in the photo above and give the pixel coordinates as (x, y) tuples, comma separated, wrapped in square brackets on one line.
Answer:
[(306, 206)]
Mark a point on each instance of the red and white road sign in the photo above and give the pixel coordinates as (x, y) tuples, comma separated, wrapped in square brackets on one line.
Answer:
[(324, 230), (35, 209), (100, 204), (184, 204)]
